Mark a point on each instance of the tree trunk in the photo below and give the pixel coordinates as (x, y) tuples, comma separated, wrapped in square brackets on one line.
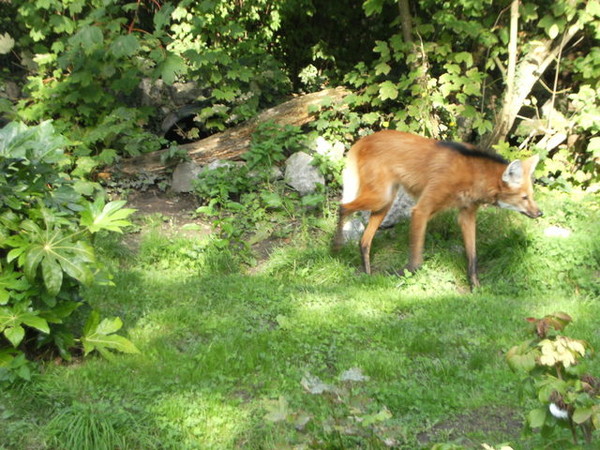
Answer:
[(526, 74), (232, 143), (405, 21)]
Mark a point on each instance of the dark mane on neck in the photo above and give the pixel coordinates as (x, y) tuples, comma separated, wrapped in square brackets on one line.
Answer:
[(464, 150)]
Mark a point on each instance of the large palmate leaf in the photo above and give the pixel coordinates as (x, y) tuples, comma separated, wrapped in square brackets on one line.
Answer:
[(55, 251), (111, 216), (99, 335)]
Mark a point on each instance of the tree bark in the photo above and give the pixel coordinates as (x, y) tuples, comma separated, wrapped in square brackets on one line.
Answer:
[(526, 74), (232, 143), (405, 21), (512, 50)]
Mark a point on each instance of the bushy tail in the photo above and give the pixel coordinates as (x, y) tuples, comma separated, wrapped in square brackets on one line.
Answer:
[(350, 179)]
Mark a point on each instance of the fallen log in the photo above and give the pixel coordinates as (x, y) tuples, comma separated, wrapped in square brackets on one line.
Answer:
[(232, 143)]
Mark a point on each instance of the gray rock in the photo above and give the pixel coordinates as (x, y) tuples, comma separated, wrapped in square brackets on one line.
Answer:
[(353, 230), (184, 93), (301, 175), (184, 175), (218, 163), (400, 210)]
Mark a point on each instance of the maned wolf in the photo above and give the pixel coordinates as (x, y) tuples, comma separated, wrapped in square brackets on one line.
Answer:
[(439, 175)]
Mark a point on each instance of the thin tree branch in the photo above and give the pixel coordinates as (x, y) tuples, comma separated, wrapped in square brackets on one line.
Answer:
[(512, 50), (500, 66)]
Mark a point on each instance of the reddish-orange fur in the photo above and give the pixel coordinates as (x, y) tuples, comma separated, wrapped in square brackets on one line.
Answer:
[(438, 178)]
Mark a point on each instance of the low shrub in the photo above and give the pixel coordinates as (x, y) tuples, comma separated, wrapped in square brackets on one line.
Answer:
[(47, 224)]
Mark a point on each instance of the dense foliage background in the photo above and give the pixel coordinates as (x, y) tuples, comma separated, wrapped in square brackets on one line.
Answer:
[(452, 69)]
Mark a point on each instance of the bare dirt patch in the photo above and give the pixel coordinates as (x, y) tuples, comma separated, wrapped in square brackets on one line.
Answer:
[(174, 211), (174, 215), (468, 429)]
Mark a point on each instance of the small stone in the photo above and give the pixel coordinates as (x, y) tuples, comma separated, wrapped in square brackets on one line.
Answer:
[(184, 175), (301, 175)]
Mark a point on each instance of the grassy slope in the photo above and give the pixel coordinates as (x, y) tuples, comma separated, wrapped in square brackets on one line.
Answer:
[(226, 355)]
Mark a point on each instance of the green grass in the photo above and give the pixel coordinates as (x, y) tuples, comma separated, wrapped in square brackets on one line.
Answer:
[(229, 356)]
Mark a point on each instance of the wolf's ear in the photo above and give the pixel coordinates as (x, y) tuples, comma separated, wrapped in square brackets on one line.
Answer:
[(513, 175), (531, 163)]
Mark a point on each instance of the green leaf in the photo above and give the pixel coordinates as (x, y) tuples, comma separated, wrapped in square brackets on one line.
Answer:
[(6, 356), (92, 323), (227, 94), (537, 417), (4, 296), (75, 259), (52, 274), (102, 342), (99, 336), (163, 16), (6, 43), (382, 68), (382, 48), (11, 281), (62, 310), (32, 260), (469, 111), (594, 146), (35, 322), (87, 38), (109, 326), (465, 57), (372, 419), (388, 90), (112, 216), (272, 199), (170, 68), (551, 25), (84, 187), (370, 118), (581, 415), (593, 8), (472, 87), (125, 46), (550, 385), (14, 334), (372, 7), (522, 358)]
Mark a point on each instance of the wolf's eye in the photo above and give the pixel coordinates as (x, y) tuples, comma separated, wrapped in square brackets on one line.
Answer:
[(525, 197)]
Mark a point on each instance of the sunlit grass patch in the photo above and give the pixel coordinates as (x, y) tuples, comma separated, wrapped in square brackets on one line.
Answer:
[(200, 419)]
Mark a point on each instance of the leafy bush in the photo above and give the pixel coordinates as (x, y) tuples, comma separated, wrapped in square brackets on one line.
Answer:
[(251, 197), (227, 47), (85, 61), (557, 378), (46, 252)]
